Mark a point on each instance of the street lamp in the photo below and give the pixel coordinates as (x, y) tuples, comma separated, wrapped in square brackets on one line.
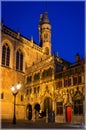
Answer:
[(15, 90)]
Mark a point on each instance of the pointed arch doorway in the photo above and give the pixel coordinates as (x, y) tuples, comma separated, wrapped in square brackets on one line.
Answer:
[(29, 112), (37, 109), (47, 104)]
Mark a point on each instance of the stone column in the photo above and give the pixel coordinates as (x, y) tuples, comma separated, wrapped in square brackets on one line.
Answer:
[(33, 113), (53, 104), (72, 121), (26, 112), (64, 115), (62, 82), (42, 106), (46, 115), (55, 110), (83, 79), (71, 80)]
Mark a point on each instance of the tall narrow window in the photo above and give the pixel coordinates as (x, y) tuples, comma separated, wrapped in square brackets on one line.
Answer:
[(65, 82), (78, 107), (74, 80), (22, 98), (69, 82), (59, 106), (38, 89), (59, 84), (34, 90), (5, 55), (1, 95), (30, 90), (27, 91), (79, 79), (19, 60)]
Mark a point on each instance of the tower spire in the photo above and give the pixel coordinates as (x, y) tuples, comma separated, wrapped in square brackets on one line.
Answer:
[(44, 18), (46, 5), (45, 33)]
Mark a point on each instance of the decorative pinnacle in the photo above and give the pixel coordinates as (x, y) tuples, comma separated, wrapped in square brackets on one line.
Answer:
[(44, 18)]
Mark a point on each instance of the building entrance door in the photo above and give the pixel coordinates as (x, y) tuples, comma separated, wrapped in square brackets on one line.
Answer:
[(47, 105), (68, 114), (29, 112), (37, 109)]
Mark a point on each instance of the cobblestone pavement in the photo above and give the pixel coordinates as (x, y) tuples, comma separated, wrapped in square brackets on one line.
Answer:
[(38, 124)]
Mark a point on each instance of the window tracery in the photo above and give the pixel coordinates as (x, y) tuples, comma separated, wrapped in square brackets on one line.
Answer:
[(19, 60), (6, 55)]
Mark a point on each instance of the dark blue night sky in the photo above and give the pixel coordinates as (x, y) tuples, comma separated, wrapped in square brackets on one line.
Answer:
[(67, 20)]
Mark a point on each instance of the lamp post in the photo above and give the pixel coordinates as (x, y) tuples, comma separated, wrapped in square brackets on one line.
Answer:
[(15, 90)]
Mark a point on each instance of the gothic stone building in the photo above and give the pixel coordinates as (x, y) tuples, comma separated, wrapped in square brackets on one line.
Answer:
[(48, 82)]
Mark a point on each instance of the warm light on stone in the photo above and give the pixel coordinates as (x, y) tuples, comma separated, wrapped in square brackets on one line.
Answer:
[(46, 86)]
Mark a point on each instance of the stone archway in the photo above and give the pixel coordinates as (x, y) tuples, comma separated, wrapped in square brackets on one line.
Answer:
[(29, 112), (37, 109)]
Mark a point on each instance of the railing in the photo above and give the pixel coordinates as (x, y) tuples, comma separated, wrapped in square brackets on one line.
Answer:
[(70, 72), (40, 64)]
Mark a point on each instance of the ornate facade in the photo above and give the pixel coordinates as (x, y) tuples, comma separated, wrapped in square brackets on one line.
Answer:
[(49, 83)]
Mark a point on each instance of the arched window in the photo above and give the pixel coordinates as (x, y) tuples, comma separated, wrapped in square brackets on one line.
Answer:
[(5, 55), (19, 60)]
